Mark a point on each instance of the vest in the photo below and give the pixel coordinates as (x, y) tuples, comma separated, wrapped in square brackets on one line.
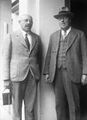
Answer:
[(61, 57)]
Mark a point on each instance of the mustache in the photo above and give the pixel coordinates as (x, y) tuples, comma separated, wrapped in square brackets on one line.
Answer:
[(28, 25)]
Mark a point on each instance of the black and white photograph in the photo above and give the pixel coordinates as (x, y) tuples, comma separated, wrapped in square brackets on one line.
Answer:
[(43, 60)]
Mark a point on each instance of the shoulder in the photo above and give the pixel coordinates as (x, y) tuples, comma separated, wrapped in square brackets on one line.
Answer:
[(77, 31), (12, 34), (35, 36), (17, 32), (55, 33)]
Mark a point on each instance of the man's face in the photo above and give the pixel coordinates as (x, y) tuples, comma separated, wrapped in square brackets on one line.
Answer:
[(26, 23), (64, 22)]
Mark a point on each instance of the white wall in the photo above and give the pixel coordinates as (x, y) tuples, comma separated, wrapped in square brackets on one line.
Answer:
[(5, 16), (5, 25)]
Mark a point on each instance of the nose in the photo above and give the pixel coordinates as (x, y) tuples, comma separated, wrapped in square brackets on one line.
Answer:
[(28, 21), (62, 19)]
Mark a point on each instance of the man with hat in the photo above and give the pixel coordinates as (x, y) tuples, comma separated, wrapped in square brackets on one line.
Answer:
[(66, 66)]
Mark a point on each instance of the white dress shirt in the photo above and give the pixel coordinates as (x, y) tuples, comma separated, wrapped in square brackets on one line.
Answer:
[(64, 34), (29, 38)]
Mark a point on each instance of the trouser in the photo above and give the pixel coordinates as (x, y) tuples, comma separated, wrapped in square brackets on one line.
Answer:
[(24, 90), (66, 96)]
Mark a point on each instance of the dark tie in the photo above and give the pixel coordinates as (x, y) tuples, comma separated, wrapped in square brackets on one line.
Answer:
[(27, 41)]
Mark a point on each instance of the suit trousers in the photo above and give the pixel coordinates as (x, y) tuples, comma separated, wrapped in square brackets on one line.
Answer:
[(66, 96), (24, 90)]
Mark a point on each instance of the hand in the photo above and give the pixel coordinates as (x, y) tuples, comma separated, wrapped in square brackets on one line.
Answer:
[(84, 79), (7, 84), (47, 78)]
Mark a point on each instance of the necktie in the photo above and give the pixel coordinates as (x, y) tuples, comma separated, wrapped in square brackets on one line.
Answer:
[(27, 41)]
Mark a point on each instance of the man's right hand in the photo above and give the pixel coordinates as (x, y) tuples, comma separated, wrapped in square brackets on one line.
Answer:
[(7, 83), (47, 78)]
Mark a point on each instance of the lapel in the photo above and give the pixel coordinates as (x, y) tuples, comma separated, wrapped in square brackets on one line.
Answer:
[(56, 39), (20, 38), (33, 38), (70, 38)]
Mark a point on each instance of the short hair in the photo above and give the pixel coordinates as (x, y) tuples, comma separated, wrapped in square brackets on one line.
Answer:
[(21, 16)]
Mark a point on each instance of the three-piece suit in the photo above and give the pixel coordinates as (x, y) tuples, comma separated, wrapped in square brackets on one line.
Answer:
[(21, 66), (66, 62)]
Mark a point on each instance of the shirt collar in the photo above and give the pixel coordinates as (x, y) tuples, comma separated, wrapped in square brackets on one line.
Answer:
[(23, 33), (67, 31)]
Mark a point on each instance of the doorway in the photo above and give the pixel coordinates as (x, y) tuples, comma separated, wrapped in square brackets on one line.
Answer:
[(79, 8)]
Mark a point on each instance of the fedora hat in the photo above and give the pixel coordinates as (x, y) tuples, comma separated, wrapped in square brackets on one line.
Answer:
[(64, 11)]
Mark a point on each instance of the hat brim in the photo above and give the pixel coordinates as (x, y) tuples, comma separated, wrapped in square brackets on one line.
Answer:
[(69, 14)]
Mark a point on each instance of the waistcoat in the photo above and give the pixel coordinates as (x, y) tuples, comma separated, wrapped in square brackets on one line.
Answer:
[(61, 57)]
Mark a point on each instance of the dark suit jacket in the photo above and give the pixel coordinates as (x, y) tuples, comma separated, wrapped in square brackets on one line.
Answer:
[(76, 55), (17, 60)]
